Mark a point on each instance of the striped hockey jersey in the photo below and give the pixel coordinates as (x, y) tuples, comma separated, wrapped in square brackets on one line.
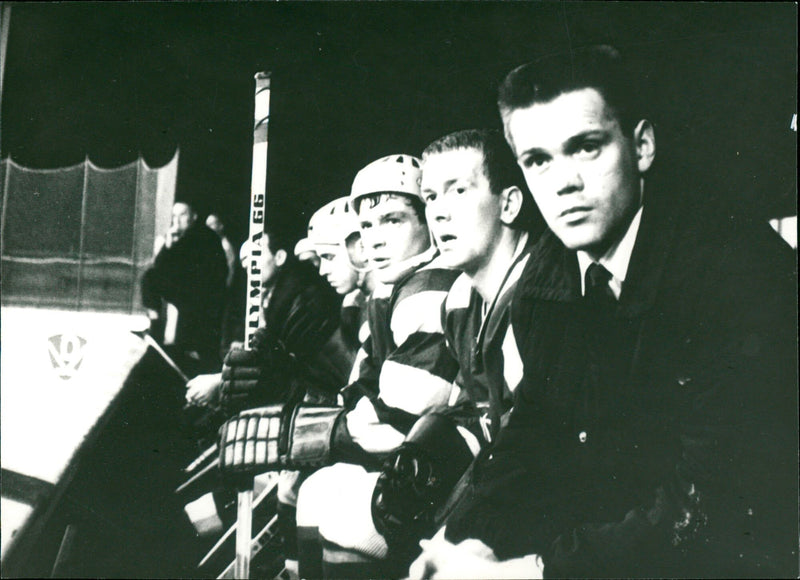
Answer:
[(480, 337), (404, 367)]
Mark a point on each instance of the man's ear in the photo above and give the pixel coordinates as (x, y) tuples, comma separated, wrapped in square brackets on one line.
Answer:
[(280, 257), (511, 204), (644, 138)]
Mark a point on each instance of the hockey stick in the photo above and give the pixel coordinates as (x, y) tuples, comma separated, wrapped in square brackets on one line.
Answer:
[(253, 315), (198, 475), (261, 497), (261, 541), (143, 334), (201, 458)]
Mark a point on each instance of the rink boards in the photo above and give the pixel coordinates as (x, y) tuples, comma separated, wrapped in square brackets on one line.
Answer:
[(60, 373)]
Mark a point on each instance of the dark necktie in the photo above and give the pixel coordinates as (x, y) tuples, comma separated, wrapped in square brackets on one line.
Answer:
[(606, 335), (598, 292)]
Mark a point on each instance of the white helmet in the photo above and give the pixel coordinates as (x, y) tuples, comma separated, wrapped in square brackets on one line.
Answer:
[(304, 246), (333, 223), (391, 174)]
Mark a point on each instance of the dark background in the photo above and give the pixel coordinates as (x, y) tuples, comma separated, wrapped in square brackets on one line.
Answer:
[(355, 81)]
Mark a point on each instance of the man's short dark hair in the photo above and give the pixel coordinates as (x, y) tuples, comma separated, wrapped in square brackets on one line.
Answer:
[(373, 199), (499, 166), (278, 238), (598, 67)]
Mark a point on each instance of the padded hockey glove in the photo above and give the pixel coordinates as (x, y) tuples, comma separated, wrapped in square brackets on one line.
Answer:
[(418, 477), (254, 377), (311, 435), (276, 437), (254, 442)]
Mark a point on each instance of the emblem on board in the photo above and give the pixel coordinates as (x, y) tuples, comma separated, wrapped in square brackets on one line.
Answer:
[(66, 353)]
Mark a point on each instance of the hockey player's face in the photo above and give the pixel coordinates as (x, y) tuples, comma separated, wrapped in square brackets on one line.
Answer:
[(391, 231), (584, 173), (462, 212), (335, 267)]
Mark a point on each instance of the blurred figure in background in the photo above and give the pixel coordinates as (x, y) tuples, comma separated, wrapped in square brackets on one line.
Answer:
[(214, 223), (188, 274)]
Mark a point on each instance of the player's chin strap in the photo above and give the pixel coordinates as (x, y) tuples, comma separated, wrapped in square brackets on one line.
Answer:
[(392, 273)]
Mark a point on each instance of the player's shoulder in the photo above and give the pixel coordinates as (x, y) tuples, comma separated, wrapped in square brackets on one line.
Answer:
[(459, 295), (431, 277)]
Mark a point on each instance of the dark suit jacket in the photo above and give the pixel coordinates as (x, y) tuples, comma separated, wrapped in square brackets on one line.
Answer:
[(191, 275), (666, 443)]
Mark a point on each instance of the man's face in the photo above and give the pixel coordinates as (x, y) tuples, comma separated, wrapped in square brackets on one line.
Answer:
[(581, 169), (266, 262), (391, 232), (462, 212), (335, 267), (182, 218), (269, 264)]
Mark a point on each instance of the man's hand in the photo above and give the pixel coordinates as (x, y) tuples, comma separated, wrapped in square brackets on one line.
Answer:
[(203, 389), (471, 558), (172, 236)]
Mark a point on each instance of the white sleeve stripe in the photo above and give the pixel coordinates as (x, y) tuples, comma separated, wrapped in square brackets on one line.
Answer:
[(412, 389), (368, 432), (379, 438), (420, 312), (363, 332), (454, 393), (512, 362), (355, 372), (470, 440)]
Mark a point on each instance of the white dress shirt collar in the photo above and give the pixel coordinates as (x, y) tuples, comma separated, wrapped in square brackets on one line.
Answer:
[(615, 260)]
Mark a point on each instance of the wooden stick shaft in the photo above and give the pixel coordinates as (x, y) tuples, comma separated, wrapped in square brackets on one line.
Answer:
[(201, 458), (244, 530), (264, 537), (229, 532), (254, 315), (198, 475)]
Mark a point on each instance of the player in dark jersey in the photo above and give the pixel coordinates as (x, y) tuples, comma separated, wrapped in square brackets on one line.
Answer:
[(483, 222)]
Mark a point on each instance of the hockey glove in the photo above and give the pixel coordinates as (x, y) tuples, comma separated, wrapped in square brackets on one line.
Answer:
[(254, 377), (277, 437), (253, 442), (418, 477)]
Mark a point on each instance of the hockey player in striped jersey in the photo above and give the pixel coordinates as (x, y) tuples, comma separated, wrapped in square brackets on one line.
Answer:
[(405, 371), (335, 235), (484, 222), (335, 238)]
